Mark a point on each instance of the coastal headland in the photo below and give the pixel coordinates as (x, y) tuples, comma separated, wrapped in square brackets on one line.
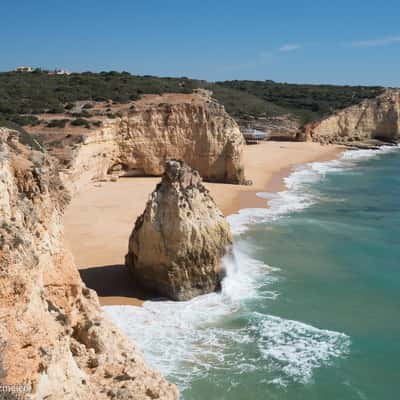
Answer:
[(86, 167)]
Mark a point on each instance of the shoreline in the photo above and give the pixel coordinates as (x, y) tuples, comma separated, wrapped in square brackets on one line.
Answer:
[(271, 181), (99, 244)]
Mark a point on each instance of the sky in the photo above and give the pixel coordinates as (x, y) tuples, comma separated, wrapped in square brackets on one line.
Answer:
[(338, 42)]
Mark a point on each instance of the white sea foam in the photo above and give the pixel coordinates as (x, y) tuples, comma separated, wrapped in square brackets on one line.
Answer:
[(362, 154), (266, 195), (187, 340), (298, 195), (183, 339), (296, 349)]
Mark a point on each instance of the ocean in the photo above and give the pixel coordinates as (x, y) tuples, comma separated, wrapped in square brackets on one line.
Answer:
[(311, 303)]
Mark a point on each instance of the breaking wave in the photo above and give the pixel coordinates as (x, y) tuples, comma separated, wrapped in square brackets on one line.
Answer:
[(186, 341), (297, 197), (189, 340)]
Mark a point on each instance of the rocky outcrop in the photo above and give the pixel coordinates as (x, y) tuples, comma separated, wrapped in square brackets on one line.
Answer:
[(176, 246), (199, 132), (377, 118), (53, 334), (193, 128)]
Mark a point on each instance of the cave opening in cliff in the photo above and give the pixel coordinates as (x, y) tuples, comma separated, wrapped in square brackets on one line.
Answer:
[(123, 170)]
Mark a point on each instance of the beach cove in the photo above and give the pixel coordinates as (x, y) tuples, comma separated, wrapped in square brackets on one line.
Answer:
[(100, 218), (278, 328)]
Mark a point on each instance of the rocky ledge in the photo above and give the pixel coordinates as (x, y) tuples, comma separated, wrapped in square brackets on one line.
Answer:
[(176, 246)]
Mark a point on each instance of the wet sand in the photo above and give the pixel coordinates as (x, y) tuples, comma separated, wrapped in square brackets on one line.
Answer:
[(99, 219)]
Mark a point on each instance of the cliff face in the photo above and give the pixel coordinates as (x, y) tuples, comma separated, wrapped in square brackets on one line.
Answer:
[(53, 333), (176, 245), (201, 133), (193, 128), (377, 118)]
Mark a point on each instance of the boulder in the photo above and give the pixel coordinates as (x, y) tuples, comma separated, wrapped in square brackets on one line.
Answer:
[(176, 246)]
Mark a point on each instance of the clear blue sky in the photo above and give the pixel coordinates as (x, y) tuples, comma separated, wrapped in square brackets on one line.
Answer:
[(319, 41)]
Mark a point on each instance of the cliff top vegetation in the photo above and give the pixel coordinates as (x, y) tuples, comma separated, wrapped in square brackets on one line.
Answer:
[(23, 95)]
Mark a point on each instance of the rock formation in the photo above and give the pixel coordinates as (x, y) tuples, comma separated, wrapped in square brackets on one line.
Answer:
[(53, 334), (177, 243), (190, 127), (377, 118)]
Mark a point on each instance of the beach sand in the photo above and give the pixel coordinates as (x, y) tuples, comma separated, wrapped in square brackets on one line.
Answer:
[(99, 219)]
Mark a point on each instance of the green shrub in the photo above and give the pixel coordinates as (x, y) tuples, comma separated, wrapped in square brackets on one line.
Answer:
[(24, 120), (134, 96), (81, 122), (56, 109), (82, 114), (57, 123)]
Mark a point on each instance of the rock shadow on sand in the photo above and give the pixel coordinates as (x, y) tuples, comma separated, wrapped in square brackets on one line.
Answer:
[(114, 285)]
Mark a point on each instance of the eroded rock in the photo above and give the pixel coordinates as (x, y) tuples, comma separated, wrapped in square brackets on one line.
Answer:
[(373, 119), (176, 246), (53, 333), (190, 127)]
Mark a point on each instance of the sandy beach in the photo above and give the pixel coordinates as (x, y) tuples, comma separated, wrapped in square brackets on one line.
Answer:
[(100, 218)]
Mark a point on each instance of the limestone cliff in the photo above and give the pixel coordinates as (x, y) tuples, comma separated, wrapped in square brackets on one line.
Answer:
[(176, 245), (53, 334), (191, 127), (377, 118)]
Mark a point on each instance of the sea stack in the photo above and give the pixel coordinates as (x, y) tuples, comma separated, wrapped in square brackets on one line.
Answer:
[(176, 246)]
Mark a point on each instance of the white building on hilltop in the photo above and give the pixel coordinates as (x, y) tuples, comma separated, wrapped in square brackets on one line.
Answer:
[(59, 72), (24, 69)]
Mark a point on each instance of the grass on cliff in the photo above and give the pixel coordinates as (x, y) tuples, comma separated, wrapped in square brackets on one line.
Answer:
[(22, 95)]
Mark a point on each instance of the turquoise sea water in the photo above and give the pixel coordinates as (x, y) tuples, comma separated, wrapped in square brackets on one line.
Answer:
[(310, 308)]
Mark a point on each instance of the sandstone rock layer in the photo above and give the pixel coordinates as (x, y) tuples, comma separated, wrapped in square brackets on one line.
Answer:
[(193, 128), (377, 118), (53, 334), (177, 243)]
